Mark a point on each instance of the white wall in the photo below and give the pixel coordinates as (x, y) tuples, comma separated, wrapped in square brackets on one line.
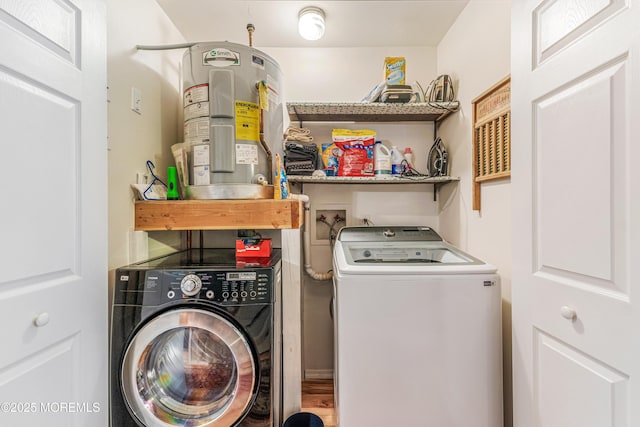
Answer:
[(134, 138), (346, 75), (476, 53)]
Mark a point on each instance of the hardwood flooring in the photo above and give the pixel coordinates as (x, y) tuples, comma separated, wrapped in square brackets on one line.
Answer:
[(317, 398)]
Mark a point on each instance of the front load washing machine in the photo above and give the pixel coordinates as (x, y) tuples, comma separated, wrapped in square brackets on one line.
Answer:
[(418, 339), (195, 341)]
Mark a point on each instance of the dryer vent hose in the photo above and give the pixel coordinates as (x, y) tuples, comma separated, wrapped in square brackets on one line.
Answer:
[(306, 238)]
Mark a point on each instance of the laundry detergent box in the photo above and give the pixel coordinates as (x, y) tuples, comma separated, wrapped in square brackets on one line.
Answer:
[(253, 247), (395, 70)]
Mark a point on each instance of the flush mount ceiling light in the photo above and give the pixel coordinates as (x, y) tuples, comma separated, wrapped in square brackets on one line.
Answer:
[(311, 23)]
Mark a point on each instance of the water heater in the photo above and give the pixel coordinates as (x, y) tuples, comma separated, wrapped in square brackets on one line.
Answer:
[(233, 120)]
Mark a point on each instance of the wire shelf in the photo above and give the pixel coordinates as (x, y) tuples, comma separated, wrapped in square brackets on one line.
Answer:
[(370, 112), (390, 179)]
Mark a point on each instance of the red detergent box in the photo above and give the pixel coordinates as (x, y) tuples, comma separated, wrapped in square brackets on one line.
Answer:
[(253, 248)]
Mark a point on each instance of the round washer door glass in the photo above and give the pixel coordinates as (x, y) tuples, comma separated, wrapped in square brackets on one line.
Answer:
[(188, 367)]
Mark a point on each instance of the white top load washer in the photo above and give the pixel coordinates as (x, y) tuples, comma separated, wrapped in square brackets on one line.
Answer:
[(418, 338)]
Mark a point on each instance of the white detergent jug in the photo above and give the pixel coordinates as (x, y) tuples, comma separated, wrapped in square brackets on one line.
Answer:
[(381, 159), (397, 168)]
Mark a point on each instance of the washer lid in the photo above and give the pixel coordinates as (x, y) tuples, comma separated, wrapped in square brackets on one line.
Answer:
[(408, 253), (388, 234)]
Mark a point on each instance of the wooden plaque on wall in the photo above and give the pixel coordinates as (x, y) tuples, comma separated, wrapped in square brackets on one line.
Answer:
[(491, 136)]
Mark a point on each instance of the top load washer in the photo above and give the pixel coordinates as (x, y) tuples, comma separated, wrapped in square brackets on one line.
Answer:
[(418, 337)]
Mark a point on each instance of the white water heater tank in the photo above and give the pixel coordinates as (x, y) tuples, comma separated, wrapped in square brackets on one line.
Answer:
[(233, 120)]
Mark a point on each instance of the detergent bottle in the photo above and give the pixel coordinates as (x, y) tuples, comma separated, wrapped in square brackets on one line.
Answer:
[(397, 168), (381, 159), (408, 156)]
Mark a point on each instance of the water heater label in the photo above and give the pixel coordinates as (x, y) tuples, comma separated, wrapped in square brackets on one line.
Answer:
[(201, 155), (256, 61), (220, 57), (246, 154), (196, 130), (199, 109), (194, 94), (201, 175), (247, 121)]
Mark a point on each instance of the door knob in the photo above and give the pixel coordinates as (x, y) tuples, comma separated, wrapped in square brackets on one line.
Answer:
[(568, 312), (41, 319)]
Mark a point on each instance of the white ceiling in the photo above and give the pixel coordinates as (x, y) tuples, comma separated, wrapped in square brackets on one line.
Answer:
[(354, 23)]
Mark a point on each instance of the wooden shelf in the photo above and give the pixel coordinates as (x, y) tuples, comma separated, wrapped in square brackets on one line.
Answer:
[(370, 112), (162, 215), (372, 180)]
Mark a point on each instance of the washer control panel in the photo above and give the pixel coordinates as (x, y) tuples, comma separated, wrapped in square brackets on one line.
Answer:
[(222, 287)]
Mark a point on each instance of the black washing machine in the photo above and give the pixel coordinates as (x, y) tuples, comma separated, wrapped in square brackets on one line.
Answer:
[(196, 341)]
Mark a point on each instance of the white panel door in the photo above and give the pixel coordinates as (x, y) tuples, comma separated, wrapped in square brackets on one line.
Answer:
[(576, 208), (53, 287)]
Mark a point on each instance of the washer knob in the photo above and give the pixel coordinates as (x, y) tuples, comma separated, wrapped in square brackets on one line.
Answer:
[(388, 233), (191, 285)]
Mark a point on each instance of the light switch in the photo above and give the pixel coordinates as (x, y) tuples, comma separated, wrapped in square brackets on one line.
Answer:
[(136, 100)]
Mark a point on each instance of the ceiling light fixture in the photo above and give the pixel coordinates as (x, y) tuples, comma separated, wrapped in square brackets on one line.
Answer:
[(311, 23)]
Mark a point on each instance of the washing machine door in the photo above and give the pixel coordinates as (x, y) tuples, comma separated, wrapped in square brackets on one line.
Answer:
[(189, 367)]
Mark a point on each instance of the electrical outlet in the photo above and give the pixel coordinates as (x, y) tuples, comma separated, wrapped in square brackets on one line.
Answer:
[(136, 100), (366, 221)]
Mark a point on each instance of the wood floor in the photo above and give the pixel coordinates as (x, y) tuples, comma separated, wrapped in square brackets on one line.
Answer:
[(317, 398)]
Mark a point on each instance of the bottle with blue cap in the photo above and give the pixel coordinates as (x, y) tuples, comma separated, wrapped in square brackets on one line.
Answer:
[(397, 168)]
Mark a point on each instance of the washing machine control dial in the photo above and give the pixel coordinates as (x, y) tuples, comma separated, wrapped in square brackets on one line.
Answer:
[(191, 285)]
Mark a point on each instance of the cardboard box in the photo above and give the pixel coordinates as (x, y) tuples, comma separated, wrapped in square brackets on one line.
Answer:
[(253, 248), (395, 70)]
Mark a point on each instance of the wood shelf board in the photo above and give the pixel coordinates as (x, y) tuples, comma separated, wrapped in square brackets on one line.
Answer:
[(370, 112), (371, 180), (162, 215), (493, 176)]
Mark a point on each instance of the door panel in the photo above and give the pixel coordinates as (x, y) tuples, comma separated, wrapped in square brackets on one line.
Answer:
[(575, 103), (38, 405), (55, 25), (559, 23), (580, 180), (599, 394), (53, 290), (45, 168)]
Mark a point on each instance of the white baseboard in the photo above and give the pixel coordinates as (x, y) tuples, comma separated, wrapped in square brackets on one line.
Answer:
[(318, 374)]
